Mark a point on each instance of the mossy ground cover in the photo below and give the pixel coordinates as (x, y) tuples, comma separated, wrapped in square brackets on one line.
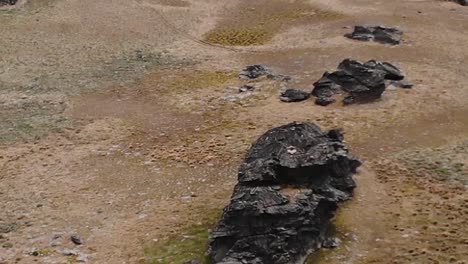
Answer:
[(189, 244), (257, 22)]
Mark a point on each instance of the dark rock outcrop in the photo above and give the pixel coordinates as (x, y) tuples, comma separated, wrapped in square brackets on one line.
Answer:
[(363, 82), (290, 185), (381, 34), (294, 95), (462, 2), (7, 2)]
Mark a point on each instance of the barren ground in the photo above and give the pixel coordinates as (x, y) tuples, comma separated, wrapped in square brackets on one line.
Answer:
[(114, 124)]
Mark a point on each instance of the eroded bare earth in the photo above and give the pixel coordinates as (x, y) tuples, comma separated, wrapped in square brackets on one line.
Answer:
[(116, 124)]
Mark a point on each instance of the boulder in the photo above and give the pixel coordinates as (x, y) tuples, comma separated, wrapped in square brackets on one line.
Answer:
[(294, 95), (362, 82), (462, 2), (289, 188), (358, 80), (381, 34)]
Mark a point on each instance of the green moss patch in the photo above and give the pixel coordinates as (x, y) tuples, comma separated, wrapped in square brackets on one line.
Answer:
[(189, 244), (257, 22)]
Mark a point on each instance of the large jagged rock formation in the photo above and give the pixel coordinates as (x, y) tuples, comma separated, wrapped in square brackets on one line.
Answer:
[(363, 82), (380, 34), (289, 188)]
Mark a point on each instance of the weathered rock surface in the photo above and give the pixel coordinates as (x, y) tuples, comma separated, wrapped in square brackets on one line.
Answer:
[(381, 34), (363, 82), (325, 87), (294, 95), (289, 188)]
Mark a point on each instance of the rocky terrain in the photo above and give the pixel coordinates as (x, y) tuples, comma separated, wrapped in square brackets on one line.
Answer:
[(123, 124)]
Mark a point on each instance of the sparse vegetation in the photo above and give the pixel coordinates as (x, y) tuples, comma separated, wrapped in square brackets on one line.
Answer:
[(190, 243), (260, 21)]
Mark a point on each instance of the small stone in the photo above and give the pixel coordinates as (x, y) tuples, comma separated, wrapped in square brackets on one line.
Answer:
[(348, 100), (402, 84), (76, 239), (192, 262), (294, 95), (324, 101), (246, 88), (254, 72), (7, 245), (69, 252), (331, 242)]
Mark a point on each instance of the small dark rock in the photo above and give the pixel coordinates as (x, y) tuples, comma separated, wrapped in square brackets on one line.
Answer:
[(246, 88), (254, 72), (336, 135), (192, 262), (348, 100), (402, 84), (324, 101), (76, 239), (294, 95), (381, 34), (69, 252), (8, 2), (331, 242)]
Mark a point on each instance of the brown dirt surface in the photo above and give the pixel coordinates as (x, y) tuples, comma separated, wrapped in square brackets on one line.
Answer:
[(117, 124)]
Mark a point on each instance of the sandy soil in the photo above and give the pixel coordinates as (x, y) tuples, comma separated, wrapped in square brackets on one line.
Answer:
[(116, 124)]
